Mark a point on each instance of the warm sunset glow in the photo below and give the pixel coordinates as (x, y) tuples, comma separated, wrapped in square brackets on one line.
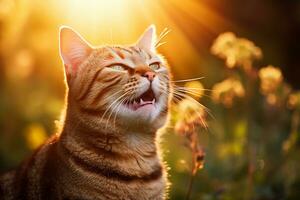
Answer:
[(98, 15), (122, 21), (233, 119)]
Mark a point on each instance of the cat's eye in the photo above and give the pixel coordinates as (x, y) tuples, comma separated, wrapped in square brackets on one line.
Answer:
[(117, 67), (155, 66)]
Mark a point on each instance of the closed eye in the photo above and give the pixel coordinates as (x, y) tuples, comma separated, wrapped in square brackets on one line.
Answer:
[(118, 67), (155, 66)]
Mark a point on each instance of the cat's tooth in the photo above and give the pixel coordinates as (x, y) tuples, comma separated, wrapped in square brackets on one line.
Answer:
[(153, 101), (141, 101), (134, 102)]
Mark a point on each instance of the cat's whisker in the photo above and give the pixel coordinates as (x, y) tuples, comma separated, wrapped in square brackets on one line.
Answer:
[(118, 109), (112, 112), (118, 99), (200, 116), (119, 103), (114, 94), (108, 108), (162, 35), (191, 92), (188, 91), (182, 80), (160, 44), (187, 80), (180, 96), (115, 101), (192, 88), (195, 101)]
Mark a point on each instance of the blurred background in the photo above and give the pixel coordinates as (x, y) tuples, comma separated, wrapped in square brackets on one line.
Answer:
[(246, 51)]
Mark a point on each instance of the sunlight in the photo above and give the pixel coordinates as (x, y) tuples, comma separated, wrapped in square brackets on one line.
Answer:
[(232, 116), (103, 21), (122, 22), (92, 11)]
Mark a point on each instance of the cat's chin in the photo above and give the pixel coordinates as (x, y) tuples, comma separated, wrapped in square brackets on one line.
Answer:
[(145, 109), (146, 112), (146, 106)]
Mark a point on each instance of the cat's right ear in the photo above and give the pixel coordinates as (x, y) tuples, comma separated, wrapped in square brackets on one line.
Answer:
[(73, 49)]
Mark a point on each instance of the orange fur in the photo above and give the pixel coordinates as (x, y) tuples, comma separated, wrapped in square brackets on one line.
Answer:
[(101, 152)]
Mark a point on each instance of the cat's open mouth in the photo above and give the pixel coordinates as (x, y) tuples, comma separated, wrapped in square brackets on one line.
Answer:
[(147, 98)]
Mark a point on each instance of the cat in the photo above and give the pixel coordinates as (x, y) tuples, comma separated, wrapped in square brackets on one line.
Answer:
[(117, 98)]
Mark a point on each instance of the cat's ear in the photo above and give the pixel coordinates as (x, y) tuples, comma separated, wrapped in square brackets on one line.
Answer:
[(148, 39), (73, 49)]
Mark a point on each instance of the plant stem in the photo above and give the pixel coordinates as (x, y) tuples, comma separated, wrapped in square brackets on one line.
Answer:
[(190, 186), (251, 152)]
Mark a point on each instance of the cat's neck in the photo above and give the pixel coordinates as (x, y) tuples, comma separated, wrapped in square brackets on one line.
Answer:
[(112, 138), (113, 154)]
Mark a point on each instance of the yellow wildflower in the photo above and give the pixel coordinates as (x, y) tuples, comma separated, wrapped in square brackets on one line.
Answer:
[(272, 99), (188, 106), (195, 89), (236, 51), (225, 91), (270, 77), (294, 100), (193, 114)]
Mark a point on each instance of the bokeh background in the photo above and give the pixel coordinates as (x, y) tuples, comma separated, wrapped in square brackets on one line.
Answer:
[(249, 129)]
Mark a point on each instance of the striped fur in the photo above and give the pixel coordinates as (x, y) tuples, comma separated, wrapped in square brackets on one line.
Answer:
[(102, 151)]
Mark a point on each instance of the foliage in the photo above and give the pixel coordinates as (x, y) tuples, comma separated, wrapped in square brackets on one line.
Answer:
[(253, 138)]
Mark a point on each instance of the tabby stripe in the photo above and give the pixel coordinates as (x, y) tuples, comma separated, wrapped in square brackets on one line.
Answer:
[(48, 172), (120, 54), (85, 93), (114, 52), (21, 176), (90, 111), (149, 55), (91, 144), (111, 78), (104, 152), (110, 173), (135, 50), (124, 49), (105, 90), (94, 146), (150, 154), (99, 143), (139, 49)]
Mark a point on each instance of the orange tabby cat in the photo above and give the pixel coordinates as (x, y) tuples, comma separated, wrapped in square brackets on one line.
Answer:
[(117, 99)]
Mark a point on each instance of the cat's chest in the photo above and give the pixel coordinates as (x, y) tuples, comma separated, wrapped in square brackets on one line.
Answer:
[(104, 189), (78, 182)]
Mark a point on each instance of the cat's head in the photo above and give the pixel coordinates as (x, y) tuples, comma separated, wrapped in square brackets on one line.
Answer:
[(114, 84)]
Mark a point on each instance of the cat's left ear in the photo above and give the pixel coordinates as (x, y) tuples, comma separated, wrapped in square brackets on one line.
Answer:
[(73, 49), (148, 39)]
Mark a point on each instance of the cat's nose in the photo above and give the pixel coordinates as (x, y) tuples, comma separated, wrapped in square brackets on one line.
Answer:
[(149, 75)]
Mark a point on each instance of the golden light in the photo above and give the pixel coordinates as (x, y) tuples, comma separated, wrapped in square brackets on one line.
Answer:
[(122, 21), (104, 21), (95, 15)]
